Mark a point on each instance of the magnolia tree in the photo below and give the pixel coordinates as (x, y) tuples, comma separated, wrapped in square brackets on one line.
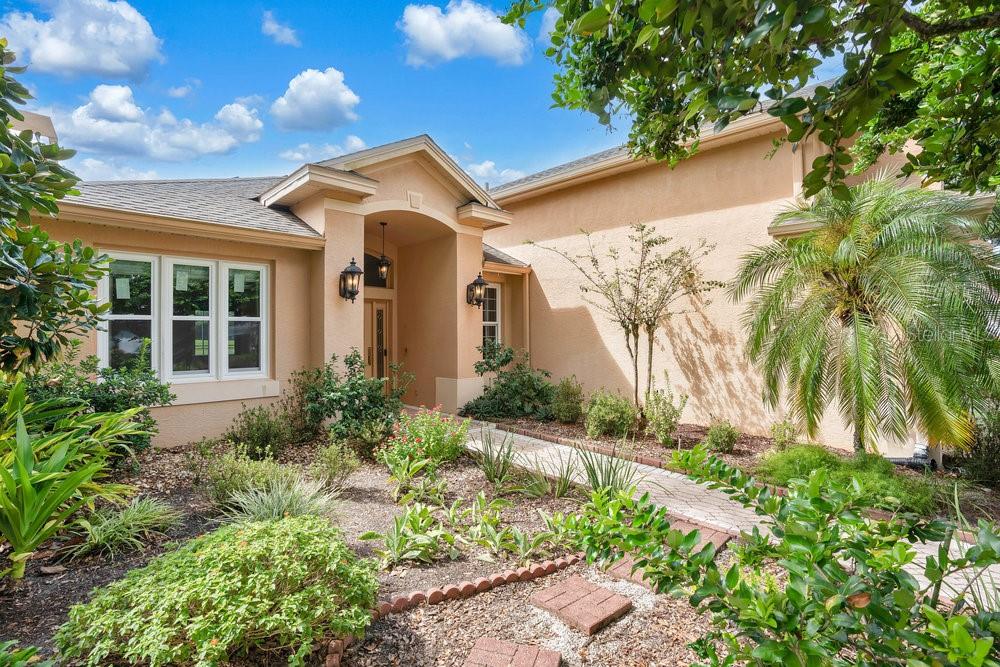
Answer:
[(46, 288), (642, 288)]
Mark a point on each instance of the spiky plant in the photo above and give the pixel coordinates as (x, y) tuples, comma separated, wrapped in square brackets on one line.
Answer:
[(885, 306)]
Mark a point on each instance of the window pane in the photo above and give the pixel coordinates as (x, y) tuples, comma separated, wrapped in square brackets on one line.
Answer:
[(131, 287), (244, 292), (125, 338), (244, 346), (372, 278), (191, 346), (489, 332), (490, 305), (192, 291)]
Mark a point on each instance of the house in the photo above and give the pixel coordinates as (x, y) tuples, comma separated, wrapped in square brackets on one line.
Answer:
[(238, 282)]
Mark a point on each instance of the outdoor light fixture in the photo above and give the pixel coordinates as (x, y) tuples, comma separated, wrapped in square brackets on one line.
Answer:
[(475, 292), (383, 262), (350, 281)]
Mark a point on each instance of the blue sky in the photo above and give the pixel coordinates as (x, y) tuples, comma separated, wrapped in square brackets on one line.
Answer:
[(185, 89)]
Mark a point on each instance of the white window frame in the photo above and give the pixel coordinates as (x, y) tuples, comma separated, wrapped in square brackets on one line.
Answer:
[(104, 296), (225, 319), (162, 318), (499, 320)]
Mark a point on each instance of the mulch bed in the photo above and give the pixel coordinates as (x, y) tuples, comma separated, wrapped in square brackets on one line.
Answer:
[(748, 450), (32, 611)]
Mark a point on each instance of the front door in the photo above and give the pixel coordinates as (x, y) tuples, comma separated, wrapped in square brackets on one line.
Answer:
[(377, 337)]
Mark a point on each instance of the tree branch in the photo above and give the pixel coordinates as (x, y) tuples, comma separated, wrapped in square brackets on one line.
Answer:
[(930, 30)]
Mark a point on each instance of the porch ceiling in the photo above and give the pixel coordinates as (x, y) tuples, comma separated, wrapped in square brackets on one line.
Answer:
[(405, 227)]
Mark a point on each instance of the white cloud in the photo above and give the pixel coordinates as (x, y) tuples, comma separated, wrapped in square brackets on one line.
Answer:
[(92, 169), (316, 153), (549, 19), (112, 123), (105, 37), (464, 29), (486, 172), (316, 101), (184, 90), (281, 33)]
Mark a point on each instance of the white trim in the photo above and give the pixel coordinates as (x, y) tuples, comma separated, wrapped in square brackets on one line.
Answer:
[(499, 315), (104, 295), (262, 319), (169, 318)]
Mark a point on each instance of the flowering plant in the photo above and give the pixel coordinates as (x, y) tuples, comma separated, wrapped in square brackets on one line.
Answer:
[(428, 434)]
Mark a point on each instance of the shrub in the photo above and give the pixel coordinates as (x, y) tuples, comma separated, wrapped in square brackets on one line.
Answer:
[(784, 434), (430, 435), (880, 484), (663, 415), (112, 530), (722, 437), (267, 586), (11, 656), (567, 401), (287, 498), (231, 472), (260, 432), (335, 463), (133, 385), (609, 414), (843, 597), (515, 392), (979, 463), (415, 535), (608, 472)]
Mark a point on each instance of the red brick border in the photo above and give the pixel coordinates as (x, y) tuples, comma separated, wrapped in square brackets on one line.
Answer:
[(465, 589)]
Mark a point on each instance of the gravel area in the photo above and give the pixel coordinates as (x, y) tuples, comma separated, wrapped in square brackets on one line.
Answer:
[(656, 632)]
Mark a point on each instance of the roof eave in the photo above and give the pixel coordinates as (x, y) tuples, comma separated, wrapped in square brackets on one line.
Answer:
[(310, 179)]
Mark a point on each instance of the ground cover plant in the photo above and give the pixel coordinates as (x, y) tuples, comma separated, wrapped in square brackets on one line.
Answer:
[(297, 583), (880, 483), (843, 597)]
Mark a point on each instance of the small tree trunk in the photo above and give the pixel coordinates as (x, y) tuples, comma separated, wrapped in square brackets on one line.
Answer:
[(649, 361)]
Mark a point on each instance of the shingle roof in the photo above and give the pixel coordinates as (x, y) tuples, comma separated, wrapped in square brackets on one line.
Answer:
[(222, 201), (491, 254), (617, 151)]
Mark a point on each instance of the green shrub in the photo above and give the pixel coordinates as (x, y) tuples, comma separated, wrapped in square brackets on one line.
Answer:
[(260, 432), (415, 535), (261, 586), (881, 485), (609, 414), (980, 462), (133, 385), (784, 434), (567, 401), (663, 415), (608, 472), (230, 472), (112, 530), (516, 391), (11, 656), (722, 437), (298, 497), (428, 434), (335, 463), (838, 594)]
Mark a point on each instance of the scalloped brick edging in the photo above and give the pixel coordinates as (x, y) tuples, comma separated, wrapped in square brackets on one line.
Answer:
[(466, 589)]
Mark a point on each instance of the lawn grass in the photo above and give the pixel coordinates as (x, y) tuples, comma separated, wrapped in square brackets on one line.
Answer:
[(882, 485)]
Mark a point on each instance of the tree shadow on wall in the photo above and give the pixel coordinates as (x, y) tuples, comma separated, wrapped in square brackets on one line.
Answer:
[(721, 381)]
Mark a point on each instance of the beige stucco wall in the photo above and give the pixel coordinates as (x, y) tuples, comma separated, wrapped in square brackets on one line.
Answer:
[(728, 196), (290, 316)]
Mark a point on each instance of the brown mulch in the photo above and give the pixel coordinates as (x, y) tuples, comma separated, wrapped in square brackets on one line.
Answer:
[(748, 450), (655, 633)]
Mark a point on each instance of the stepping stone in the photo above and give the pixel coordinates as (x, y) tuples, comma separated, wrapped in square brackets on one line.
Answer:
[(497, 653), (716, 537), (581, 604), (623, 570)]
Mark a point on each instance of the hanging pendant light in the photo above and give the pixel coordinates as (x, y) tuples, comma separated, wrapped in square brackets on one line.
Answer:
[(383, 262)]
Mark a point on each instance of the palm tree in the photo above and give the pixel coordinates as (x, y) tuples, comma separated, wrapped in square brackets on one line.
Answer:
[(888, 304)]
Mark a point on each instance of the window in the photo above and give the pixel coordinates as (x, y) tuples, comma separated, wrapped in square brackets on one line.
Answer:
[(208, 320), (491, 313), (372, 278)]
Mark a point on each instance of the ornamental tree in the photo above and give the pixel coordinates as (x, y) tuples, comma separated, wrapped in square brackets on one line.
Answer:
[(46, 288), (924, 71)]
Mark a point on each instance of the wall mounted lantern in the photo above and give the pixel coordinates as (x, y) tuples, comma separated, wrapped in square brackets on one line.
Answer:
[(350, 281), (475, 292), (383, 262)]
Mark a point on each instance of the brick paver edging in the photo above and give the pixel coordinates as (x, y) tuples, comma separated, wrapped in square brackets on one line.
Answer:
[(873, 513), (467, 589)]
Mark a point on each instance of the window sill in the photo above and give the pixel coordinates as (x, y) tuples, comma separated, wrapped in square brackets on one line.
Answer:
[(214, 391)]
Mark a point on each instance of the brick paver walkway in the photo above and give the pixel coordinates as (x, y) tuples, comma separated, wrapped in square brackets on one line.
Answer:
[(497, 653), (582, 604), (683, 498)]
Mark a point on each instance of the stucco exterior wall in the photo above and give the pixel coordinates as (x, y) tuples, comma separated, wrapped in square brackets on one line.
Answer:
[(728, 196), (290, 314)]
